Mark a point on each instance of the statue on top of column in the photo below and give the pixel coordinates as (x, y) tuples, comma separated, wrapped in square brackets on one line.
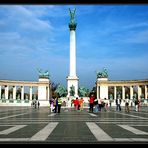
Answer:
[(72, 24), (72, 15), (103, 74), (42, 74)]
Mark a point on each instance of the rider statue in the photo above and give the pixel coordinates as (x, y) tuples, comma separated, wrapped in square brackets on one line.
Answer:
[(43, 74), (103, 74), (82, 91)]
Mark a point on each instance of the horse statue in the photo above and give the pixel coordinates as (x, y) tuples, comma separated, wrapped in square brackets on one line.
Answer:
[(43, 74), (61, 91), (82, 91), (103, 74)]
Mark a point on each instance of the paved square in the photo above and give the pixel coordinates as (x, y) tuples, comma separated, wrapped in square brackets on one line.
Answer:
[(26, 124)]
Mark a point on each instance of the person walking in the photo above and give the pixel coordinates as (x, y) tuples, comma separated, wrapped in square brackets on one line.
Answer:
[(55, 105), (76, 103), (106, 101), (91, 103), (59, 104), (81, 102), (136, 105), (100, 104), (118, 104), (127, 105)]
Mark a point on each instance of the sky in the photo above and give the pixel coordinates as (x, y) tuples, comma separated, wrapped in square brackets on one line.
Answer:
[(37, 37)]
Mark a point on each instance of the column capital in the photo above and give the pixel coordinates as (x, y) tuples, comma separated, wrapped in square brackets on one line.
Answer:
[(72, 26)]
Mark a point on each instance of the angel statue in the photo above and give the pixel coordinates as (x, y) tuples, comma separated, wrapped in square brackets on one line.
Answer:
[(72, 15)]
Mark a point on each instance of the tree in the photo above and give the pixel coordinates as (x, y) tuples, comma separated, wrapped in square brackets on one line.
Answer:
[(53, 88)]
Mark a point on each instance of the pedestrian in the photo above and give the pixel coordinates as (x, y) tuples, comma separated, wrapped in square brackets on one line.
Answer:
[(106, 101), (59, 104), (76, 103), (96, 105), (51, 105), (100, 104), (118, 103), (136, 105), (38, 104), (91, 103), (127, 105), (55, 105), (81, 102)]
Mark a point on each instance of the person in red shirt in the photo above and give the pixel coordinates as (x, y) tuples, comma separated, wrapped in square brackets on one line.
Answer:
[(76, 103), (91, 103)]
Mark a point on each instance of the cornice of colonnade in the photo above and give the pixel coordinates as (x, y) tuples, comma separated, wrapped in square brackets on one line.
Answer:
[(122, 82), (23, 83)]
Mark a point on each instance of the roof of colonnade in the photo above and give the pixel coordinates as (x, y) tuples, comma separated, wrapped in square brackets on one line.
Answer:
[(22, 83)]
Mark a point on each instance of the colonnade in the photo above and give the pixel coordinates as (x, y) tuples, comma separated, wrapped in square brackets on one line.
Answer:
[(124, 88), (6, 85)]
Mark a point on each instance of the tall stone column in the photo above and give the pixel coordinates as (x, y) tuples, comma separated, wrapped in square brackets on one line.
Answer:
[(131, 92), (6, 92), (115, 92), (14, 92), (22, 92), (72, 79), (146, 97), (98, 92), (30, 92), (139, 91), (123, 92)]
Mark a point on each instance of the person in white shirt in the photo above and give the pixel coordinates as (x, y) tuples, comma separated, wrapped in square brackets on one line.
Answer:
[(127, 105)]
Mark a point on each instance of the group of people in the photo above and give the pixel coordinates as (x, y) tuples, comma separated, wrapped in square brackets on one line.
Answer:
[(78, 103), (55, 105), (96, 105), (136, 101)]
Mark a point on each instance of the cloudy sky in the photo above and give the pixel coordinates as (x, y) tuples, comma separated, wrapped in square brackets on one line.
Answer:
[(110, 36)]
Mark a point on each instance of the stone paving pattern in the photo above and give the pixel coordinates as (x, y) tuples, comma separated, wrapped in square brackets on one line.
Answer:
[(30, 125)]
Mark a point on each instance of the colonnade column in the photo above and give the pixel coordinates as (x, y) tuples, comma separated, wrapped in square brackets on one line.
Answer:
[(22, 92), (30, 92), (6, 92), (123, 92), (97, 92), (131, 92), (14, 92), (47, 93), (115, 91), (146, 97), (139, 91)]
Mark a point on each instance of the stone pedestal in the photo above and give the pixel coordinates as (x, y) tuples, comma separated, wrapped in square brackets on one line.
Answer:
[(103, 88), (72, 81), (43, 89)]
